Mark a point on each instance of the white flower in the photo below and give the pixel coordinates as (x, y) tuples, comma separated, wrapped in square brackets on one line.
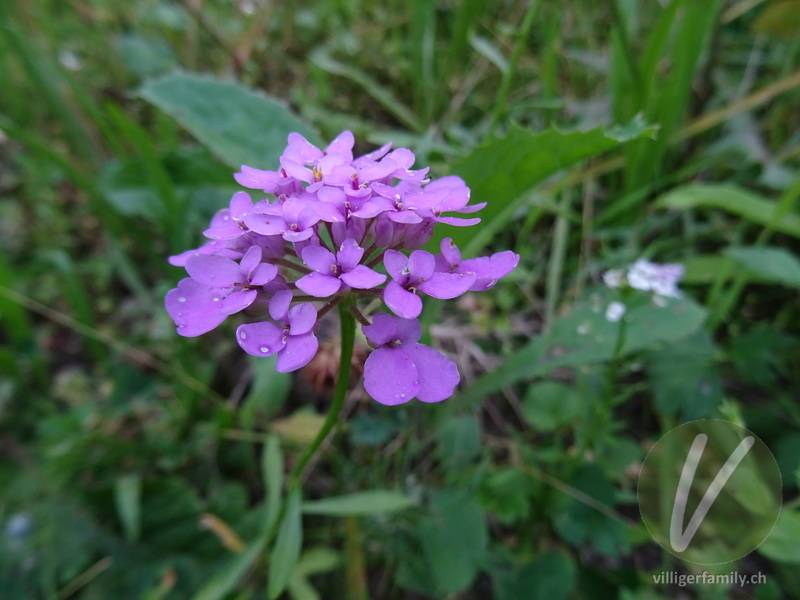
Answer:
[(661, 280), (615, 312)]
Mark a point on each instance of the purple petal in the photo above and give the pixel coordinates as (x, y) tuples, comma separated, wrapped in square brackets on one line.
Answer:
[(372, 208), (194, 307), (298, 236), (213, 271), (405, 216), (237, 301), (407, 331), (402, 302), (224, 227), (257, 179), (488, 269), (437, 375), (363, 278), (319, 285), (265, 224), (343, 144), (332, 195), (403, 158), (319, 258), (279, 306), (241, 204), (382, 330), (297, 353), (299, 148), (302, 318), (349, 255), (375, 155), (395, 263), (328, 212), (473, 208), (447, 285), (263, 274), (450, 251), (260, 339), (420, 265), (455, 221), (250, 261), (390, 376)]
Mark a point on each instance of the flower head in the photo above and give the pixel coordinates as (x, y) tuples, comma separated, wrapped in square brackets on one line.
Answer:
[(329, 226), (400, 368), (660, 280)]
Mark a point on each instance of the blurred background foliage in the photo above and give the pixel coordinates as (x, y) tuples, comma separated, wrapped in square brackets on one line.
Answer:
[(137, 464)]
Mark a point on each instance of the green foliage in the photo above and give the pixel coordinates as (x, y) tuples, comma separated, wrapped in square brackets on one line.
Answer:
[(143, 465), (241, 126)]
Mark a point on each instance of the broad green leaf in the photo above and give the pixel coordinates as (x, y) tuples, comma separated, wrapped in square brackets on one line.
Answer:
[(548, 405), (300, 427), (552, 576), (272, 470), (372, 502), (769, 263), (504, 170), (286, 552), (239, 125), (584, 336), (506, 494), (742, 203), (781, 545), (684, 377), (578, 523), (128, 498), (454, 540), (459, 440), (226, 579)]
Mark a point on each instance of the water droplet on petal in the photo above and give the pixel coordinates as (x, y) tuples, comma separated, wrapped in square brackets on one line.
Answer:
[(181, 299), (242, 335), (264, 349), (215, 299)]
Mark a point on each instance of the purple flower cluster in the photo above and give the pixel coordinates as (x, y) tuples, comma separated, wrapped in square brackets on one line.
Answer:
[(333, 227)]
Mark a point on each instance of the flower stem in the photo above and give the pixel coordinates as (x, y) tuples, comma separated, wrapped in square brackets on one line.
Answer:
[(348, 328)]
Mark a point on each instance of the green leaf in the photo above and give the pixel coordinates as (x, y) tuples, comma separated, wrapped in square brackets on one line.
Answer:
[(584, 336), (454, 540), (506, 494), (128, 498), (459, 440), (552, 576), (227, 578), (239, 125), (578, 523), (742, 203), (272, 469), (503, 170), (684, 377), (286, 552), (772, 264), (781, 545), (372, 502), (548, 405)]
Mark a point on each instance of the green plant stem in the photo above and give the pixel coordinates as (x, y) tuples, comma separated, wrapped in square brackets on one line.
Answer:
[(508, 77), (348, 329), (601, 414)]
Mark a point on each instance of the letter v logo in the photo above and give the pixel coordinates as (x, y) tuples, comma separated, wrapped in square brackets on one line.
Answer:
[(680, 539)]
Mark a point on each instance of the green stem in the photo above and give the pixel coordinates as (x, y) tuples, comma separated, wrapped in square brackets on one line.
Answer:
[(348, 328)]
